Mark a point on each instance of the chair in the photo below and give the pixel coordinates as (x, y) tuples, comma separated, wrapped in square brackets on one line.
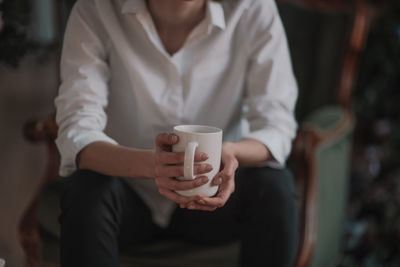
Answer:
[(321, 151), (320, 157)]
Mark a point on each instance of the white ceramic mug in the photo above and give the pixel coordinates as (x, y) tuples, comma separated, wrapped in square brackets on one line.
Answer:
[(199, 138)]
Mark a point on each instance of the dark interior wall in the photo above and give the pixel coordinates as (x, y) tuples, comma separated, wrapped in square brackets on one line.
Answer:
[(317, 42)]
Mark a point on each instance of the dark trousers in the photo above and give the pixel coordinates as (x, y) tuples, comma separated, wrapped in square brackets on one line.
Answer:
[(102, 215)]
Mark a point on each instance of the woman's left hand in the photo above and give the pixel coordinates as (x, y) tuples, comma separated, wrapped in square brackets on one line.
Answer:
[(225, 179)]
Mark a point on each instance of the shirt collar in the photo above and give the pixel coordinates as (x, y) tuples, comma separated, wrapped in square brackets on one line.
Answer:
[(215, 11), (133, 6)]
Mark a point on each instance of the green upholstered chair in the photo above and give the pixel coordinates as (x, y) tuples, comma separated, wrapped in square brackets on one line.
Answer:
[(325, 38), (326, 158)]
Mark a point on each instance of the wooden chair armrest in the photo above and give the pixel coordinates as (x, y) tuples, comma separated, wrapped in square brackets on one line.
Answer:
[(40, 130), (37, 131), (309, 138)]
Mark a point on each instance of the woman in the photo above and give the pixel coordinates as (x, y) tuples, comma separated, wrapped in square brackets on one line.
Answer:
[(131, 70)]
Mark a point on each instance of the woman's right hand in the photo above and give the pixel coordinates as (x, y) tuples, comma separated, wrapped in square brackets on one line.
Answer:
[(169, 165)]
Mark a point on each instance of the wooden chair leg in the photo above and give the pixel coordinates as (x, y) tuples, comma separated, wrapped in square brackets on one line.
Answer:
[(38, 131), (30, 237)]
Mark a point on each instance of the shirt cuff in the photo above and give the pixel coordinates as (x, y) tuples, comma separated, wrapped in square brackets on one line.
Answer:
[(276, 146), (69, 148)]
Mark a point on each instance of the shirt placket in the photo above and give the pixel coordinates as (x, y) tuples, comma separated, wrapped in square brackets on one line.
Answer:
[(172, 99), (175, 98)]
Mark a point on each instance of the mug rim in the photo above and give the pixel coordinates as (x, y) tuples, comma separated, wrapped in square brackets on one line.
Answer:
[(210, 129)]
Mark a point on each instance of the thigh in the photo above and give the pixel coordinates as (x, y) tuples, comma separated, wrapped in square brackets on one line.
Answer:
[(96, 202), (137, 226), (259, 193), (267, 207), (206, 227), (263, 190)]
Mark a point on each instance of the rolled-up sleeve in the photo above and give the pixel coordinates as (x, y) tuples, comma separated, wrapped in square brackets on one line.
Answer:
[(271, 88), (83, 91)]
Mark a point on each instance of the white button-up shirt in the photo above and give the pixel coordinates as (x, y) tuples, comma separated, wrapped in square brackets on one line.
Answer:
[(119, 84)]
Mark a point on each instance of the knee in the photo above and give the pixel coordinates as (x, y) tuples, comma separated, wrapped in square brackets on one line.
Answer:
[(278, 183), (269, 186)]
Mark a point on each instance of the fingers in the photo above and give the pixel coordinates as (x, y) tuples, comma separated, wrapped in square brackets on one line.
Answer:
[(222, 177), (212, 203), (227, 173), (225, 190), (217, 201), (166, 158), (173, 184), (164, 141), (193, 205), (177, 171), (171, 195)]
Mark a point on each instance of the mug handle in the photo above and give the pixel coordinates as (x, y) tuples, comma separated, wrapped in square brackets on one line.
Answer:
[(189, 160)]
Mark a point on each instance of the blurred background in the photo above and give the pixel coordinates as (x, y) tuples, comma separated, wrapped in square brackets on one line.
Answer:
[(30, 42)]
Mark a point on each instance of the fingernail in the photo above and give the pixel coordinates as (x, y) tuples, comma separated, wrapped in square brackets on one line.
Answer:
[(208, 168), (172, 138), (203, 156), (204, 180), (201, 181), (191, 207), (218, 181), (202, 202)]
